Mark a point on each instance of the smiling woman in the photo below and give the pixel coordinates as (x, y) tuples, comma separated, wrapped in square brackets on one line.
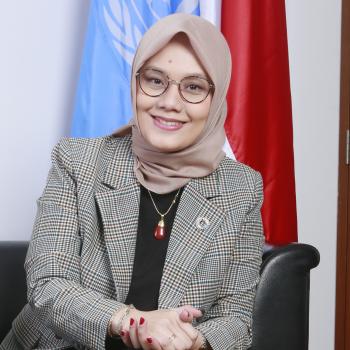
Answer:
[(167, 117), (149, 238)]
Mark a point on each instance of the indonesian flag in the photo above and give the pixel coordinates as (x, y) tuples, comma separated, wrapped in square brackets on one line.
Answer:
[(259, 122)]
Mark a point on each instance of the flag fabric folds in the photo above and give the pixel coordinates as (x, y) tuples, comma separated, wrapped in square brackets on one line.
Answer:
[(259, 123), (115, 28)]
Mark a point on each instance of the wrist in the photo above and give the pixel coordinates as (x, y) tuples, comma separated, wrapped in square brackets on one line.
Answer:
[(119, 319)]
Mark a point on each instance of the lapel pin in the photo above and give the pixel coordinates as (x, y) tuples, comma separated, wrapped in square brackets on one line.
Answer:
[(202, 223)]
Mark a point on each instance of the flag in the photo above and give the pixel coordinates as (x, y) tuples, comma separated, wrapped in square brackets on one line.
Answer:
[(115, 27), (259, 122)]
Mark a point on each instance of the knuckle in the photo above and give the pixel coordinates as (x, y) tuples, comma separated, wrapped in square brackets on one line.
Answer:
[(188, 344), (194, 337), (162, 342)]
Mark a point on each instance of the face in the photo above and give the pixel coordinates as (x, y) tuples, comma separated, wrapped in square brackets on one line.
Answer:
[(168, 122)]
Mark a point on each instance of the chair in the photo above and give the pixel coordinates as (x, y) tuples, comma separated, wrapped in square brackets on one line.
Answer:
[(13, 288), (281, 309)]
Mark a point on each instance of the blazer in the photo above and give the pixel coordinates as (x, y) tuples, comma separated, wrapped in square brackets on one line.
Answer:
[(80, 259)]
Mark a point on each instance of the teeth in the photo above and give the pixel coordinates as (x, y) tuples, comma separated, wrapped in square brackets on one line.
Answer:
[(164, 122)]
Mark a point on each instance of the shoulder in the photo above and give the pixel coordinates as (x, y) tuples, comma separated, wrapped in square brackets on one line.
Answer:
[(238, 176), (91, 149), (87, 159)]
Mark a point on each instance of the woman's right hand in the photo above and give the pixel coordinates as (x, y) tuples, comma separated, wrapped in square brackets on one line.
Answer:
[(161, 329)]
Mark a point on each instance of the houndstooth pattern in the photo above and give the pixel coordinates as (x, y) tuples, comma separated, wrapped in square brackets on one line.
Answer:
[(80, 259)]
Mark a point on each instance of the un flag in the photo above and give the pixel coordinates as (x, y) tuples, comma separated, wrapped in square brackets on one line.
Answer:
[(115, 27)]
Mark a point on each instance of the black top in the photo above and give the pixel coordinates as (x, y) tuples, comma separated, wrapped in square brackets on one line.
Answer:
[(149, 254)]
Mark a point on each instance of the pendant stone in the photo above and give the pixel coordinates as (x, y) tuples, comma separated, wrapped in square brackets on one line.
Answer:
[(159, 232)]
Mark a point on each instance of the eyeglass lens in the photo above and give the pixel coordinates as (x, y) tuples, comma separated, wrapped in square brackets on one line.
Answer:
[(155, 83)]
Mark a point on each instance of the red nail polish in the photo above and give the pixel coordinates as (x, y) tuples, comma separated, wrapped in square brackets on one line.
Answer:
[(149, 340), (122, 333), (142, 321), (131, 321)]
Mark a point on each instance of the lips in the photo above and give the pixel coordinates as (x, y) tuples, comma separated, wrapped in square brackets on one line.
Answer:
[(167, 123)]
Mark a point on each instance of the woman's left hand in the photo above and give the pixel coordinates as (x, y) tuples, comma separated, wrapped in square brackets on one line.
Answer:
[(141, 335), (187, 340)]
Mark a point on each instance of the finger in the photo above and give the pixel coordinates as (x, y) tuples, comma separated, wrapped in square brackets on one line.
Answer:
[(195, 312), (142, 332), (133, 334), (124, 335), (168, 342), (192, 310), (189, 330), (154, 343), (186, 316), (178, 340)]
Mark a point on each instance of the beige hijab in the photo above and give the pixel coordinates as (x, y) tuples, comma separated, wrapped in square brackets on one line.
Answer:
[(165, 172)]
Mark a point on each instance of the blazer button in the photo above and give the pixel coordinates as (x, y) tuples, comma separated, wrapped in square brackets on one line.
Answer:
[(202, 222)]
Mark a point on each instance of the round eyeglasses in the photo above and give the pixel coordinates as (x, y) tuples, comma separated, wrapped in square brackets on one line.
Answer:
[(192, 89)]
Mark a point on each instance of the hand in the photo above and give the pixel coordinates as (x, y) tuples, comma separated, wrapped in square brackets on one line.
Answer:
[(161, 329), (187, 313)]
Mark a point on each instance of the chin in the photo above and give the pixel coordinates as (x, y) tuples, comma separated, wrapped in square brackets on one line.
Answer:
[(167, 148), (165, 145)]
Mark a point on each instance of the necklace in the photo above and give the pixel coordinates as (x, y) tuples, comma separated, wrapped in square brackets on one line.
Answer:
[(159, 232)]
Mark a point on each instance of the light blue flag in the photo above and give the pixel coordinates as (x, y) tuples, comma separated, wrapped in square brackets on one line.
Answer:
[(115, 28)]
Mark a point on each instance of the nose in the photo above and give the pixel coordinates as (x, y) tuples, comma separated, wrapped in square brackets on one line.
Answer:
[(171, 99)]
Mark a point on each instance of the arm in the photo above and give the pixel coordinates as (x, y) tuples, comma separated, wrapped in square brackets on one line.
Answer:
[(78, 314), (228, 322)]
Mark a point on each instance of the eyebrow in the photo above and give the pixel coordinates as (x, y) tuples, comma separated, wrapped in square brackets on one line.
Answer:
[(196, 74)]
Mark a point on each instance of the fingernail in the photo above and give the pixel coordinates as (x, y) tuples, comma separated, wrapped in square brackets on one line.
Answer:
[(122, 333), (142, 320), (131, 321), (149, 340)]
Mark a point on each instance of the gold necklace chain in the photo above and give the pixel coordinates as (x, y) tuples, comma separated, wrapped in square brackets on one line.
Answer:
[(171, 205)]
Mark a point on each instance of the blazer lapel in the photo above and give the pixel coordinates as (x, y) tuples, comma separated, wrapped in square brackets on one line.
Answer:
[(195, 226), (119, 210), (118, 199)]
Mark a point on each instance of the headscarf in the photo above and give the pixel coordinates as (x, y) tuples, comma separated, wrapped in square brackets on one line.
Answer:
[(163, 172)]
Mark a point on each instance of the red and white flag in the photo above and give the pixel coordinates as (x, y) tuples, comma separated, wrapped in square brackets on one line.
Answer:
[(259, 122)]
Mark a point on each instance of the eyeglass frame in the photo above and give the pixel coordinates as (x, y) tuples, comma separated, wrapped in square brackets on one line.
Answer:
[(173, 81)]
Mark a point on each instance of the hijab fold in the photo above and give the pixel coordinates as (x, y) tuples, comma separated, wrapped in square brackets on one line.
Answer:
[(163, 172)]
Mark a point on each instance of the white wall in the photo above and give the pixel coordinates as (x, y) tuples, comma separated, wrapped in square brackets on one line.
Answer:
[(41, 45), (314, 51)]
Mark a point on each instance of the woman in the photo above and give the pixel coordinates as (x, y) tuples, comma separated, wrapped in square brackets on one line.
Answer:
[(151, 235)]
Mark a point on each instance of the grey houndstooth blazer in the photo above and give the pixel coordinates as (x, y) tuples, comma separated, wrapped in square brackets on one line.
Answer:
[(80, 259)]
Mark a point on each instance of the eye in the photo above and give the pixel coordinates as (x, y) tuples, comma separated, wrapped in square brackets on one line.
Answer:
[(156, 81), (194, 86), (153, 79)]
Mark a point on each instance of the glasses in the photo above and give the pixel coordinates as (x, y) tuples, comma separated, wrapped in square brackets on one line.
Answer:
[(192, 89)]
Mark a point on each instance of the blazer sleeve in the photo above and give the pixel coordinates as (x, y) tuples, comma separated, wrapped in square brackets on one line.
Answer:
[(75, 313), (227, 324)]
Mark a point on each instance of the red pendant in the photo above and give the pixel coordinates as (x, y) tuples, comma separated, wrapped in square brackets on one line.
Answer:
[(159, 232)]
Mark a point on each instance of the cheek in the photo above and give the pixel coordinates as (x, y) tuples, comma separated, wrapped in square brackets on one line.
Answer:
[(200, 112), (143, 104), (140, 108)]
